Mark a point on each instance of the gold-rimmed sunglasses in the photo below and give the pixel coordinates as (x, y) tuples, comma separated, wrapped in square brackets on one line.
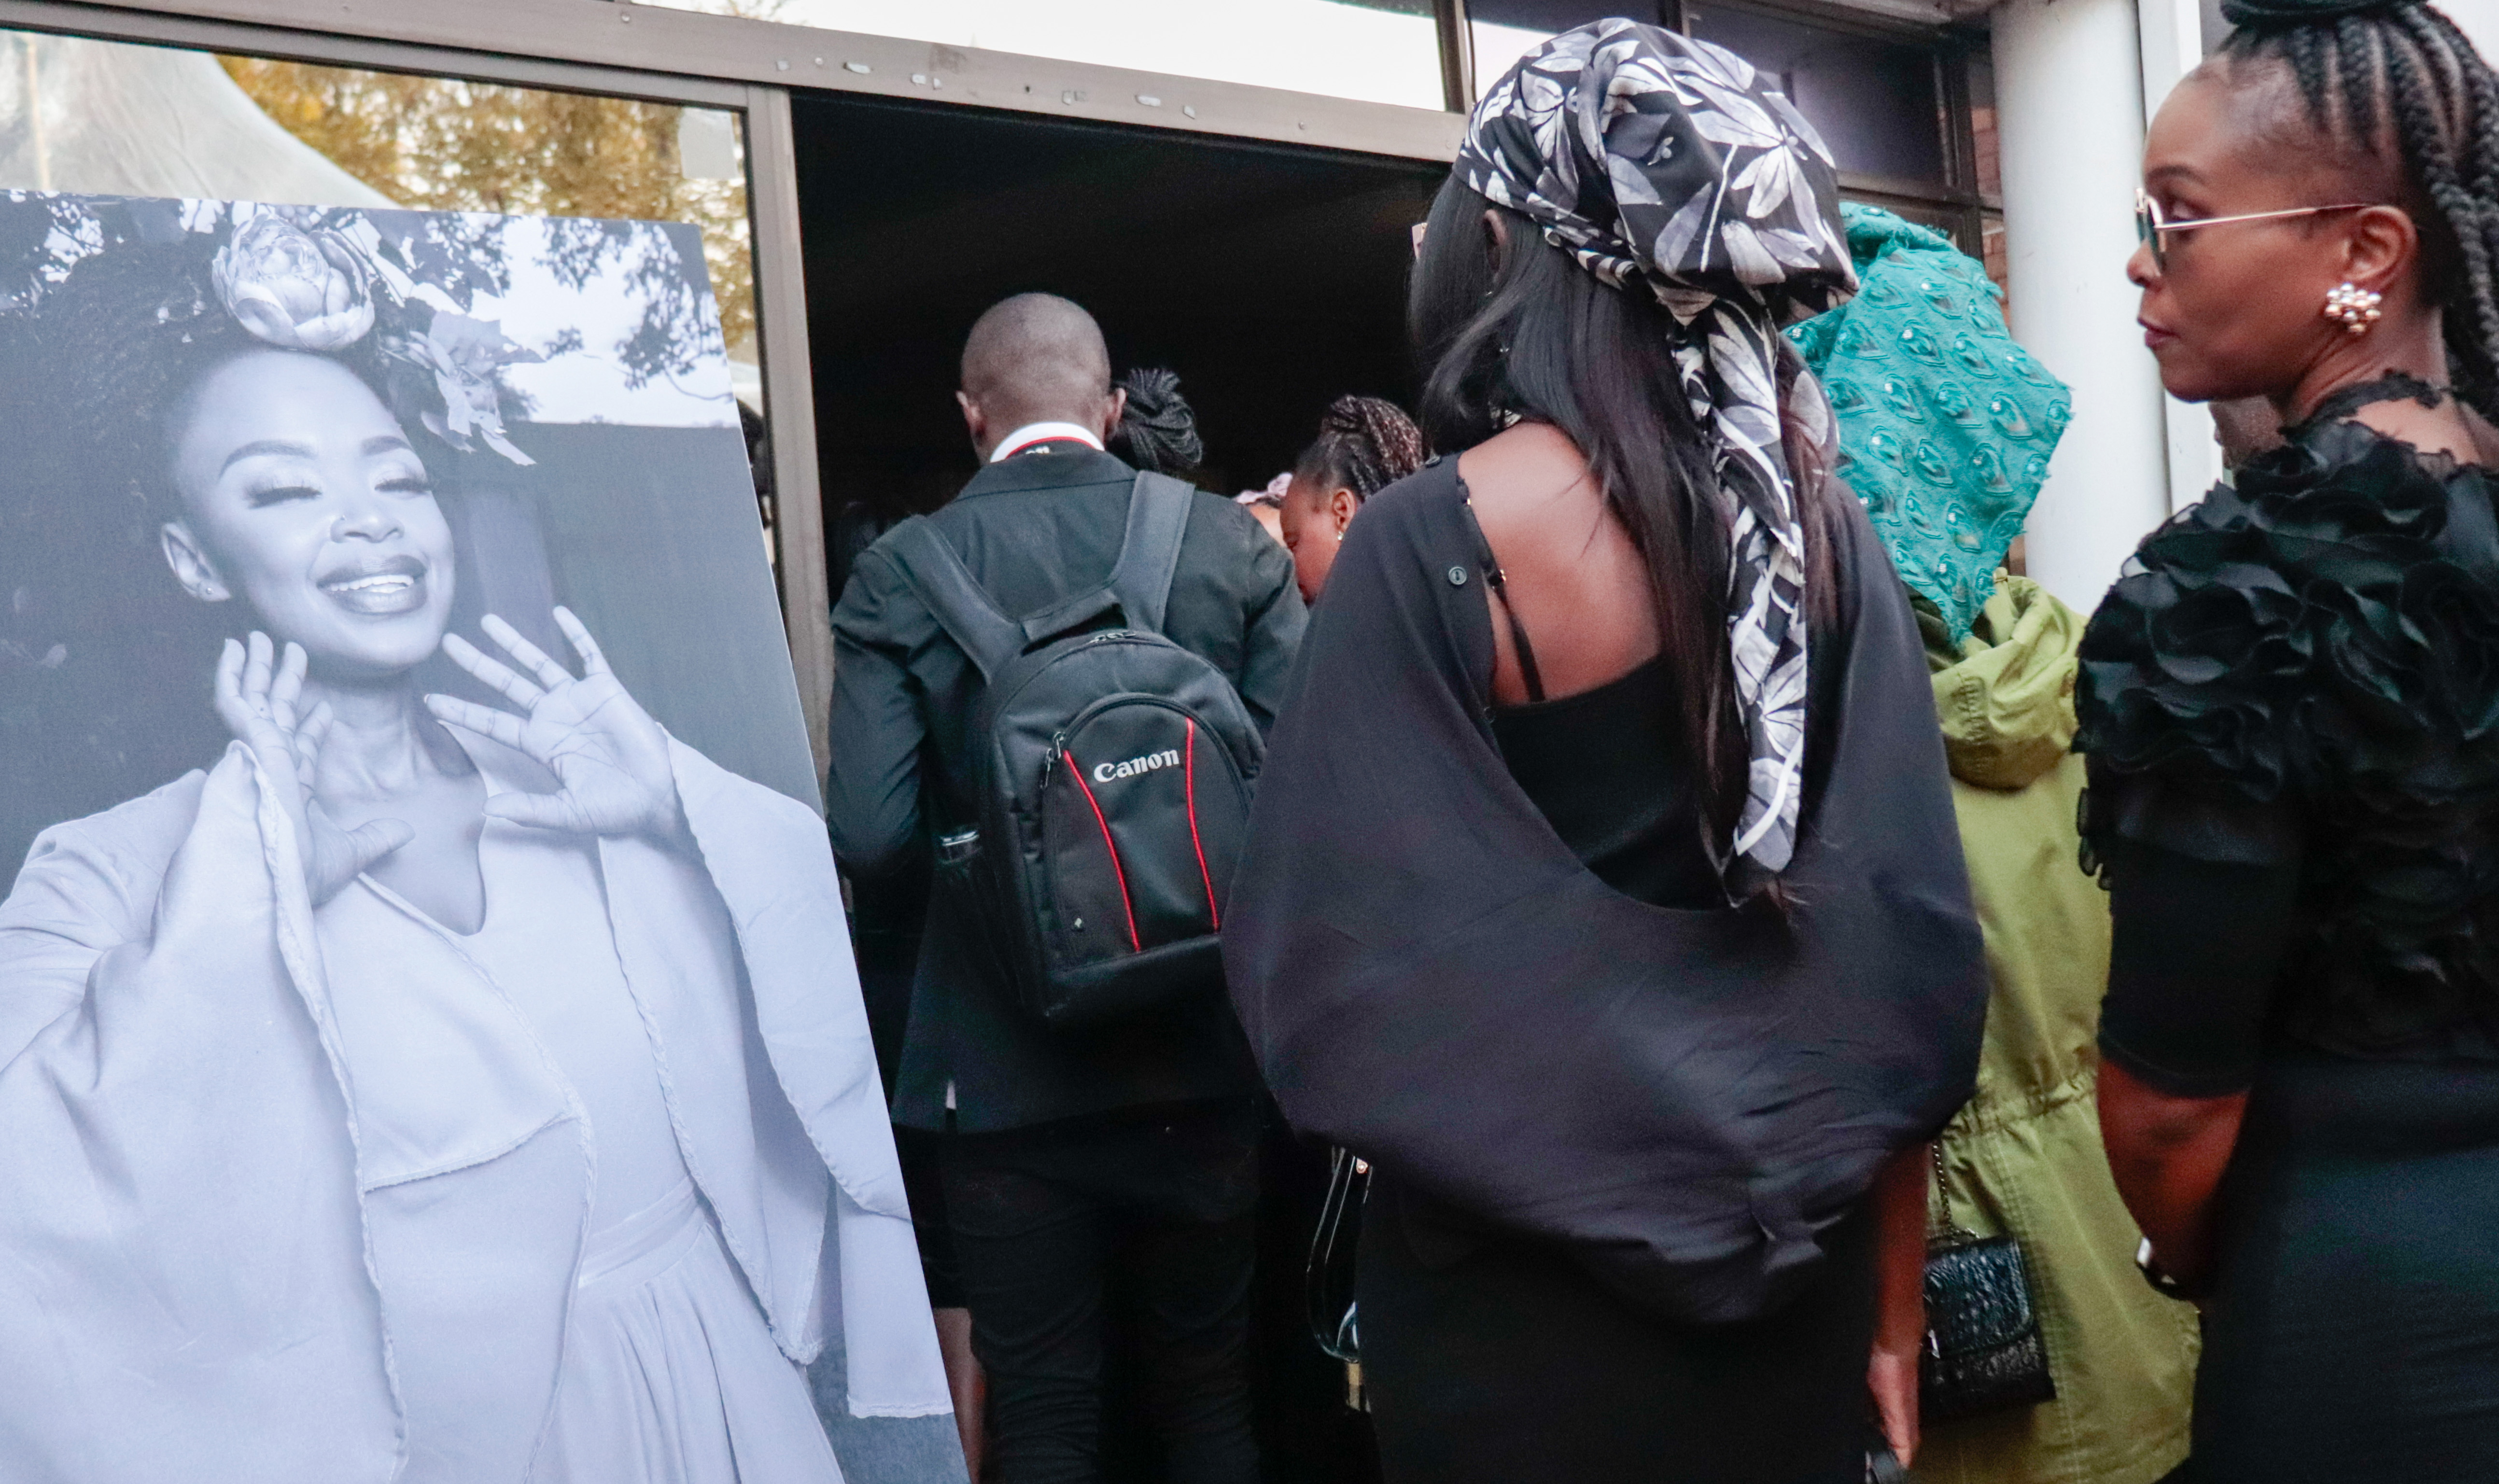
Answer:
[(2150, 224)]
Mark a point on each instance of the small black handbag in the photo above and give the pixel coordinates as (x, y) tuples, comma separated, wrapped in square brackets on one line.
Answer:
[(1984, 1352)]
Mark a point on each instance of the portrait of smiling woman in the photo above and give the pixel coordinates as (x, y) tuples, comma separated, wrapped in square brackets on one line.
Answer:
[(424, 1087)]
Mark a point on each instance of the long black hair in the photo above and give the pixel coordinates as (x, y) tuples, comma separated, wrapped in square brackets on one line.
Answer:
[(1534, 336), (2403, 73)]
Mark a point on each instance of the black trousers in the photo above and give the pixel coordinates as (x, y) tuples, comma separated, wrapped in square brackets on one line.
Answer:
[(1150, 1216)]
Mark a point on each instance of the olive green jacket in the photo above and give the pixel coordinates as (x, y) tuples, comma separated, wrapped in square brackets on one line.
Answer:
[(2025, 1156)]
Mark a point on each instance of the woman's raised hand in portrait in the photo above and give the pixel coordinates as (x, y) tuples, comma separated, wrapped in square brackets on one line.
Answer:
[(257, 701), (610, 757)]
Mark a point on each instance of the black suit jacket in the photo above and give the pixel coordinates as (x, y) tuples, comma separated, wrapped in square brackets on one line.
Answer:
[(1034, 529)]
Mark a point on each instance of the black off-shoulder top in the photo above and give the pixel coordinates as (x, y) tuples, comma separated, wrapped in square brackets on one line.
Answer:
[(1607, 769), (2290, 706)]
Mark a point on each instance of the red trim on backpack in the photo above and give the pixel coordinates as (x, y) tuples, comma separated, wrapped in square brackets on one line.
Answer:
[(1109, 844), (1189, 777)]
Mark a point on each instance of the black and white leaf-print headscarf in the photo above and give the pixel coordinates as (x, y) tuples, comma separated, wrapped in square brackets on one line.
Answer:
[(1658, 159)]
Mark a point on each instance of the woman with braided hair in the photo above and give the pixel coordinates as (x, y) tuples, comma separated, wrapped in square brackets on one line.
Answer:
[(2291, 709), (1364, 446)]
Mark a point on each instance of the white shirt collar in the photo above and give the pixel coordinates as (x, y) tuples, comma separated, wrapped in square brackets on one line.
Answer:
[(1030, 433)]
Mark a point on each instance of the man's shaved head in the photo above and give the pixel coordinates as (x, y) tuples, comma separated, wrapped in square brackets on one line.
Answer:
[(1036, 358)]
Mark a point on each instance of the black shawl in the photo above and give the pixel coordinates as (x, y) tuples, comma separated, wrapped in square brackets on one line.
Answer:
[(1686, 1099)]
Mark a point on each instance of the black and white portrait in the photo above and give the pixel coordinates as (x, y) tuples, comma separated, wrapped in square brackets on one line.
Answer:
[(430, 1047)]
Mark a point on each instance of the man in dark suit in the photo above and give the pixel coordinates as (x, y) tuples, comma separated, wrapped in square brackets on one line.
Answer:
[(1068, 1156)]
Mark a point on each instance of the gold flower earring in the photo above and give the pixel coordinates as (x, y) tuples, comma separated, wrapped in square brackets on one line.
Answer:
[(2355, 306)]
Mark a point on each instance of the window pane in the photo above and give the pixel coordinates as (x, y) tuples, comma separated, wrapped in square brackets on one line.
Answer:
[(1505, 30), (1873, 99), (1375, 51), (441, 144), (105, 118)]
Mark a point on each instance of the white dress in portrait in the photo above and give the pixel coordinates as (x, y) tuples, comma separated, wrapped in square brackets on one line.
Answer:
[(340, 1194)]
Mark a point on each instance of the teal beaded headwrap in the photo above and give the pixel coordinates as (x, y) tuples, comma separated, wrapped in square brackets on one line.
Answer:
[(1945, 425)]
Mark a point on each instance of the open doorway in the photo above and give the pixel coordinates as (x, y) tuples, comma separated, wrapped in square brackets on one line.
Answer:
[(1271, 279)]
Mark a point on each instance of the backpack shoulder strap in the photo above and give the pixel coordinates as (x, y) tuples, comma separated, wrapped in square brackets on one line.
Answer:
[(958, 603), (1157, 518), (1141, 578)]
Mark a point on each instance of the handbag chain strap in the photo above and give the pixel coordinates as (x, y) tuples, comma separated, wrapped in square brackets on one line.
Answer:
[(1943, 1231)]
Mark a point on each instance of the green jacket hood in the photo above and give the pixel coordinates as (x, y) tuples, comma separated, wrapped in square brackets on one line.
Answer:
[(2004, 695)]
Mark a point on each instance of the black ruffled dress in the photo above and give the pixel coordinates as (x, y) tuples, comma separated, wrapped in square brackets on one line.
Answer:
[(2290, 703)]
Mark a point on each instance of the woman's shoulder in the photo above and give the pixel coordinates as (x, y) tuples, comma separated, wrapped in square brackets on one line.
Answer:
[(2309, 612), (1434, 484), (1424, 511), (149, 825), (120, 853)]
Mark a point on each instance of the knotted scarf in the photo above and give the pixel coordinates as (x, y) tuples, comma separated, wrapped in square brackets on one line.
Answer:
[(1652, 157)]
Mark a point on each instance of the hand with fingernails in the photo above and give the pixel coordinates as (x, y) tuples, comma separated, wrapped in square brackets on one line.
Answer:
[(257, 701), (609, 756)]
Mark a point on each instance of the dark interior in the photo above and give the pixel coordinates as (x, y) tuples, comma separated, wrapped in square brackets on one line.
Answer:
[(1271, 279)]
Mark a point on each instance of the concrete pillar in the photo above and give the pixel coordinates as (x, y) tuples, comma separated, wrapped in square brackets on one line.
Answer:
[(2479, 21), (2172, 35), (2070, 101)]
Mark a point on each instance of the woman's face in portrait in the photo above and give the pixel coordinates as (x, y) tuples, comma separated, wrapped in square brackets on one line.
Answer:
[(301, 496)]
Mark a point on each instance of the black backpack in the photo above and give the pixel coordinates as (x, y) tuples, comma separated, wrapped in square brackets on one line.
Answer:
[(1113, 770)]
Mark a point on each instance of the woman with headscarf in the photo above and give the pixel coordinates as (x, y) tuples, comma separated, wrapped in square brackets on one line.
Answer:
[(1945, 431), (1602, 890), (2292, 714), (1365, 445)]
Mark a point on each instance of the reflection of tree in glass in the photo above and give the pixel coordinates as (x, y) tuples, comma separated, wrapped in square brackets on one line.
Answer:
[(441, 144), (461, 255), (674, 330), (41, 239)]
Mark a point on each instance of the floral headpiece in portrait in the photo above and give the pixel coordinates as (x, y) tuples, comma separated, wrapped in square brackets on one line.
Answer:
[(304, 278)]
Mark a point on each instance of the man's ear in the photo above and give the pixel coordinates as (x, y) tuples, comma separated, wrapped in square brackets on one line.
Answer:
[(2380, 245), (975, 421), (1115, 409), (190, 563)]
